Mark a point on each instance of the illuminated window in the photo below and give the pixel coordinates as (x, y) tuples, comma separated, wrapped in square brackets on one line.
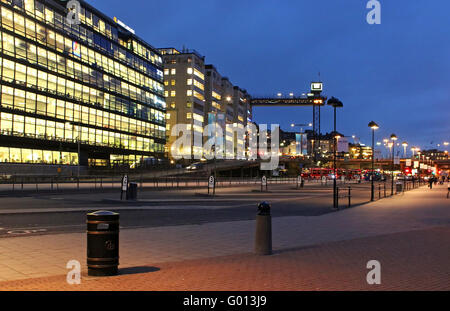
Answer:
[(173, 71)]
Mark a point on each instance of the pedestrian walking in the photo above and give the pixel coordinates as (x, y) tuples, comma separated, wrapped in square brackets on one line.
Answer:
[(430, 182)]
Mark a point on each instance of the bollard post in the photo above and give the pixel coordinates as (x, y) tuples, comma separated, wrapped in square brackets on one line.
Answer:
[(337, 198), (263, 235), (349, 196), (379, 191)]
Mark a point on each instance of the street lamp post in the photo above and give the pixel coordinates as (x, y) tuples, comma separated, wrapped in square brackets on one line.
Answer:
[(405, 145), (336, 103), (78, 143), (393, 138), (374, 127)]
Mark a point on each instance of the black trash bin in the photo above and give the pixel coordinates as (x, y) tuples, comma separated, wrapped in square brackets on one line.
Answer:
[(102, 243), (399, 187), (132, 191)]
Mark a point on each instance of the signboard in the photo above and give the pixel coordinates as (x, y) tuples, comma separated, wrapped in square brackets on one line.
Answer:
[(316, 87), (397, 160), (125, 183), (408, 162), (76, 48), (416, 164), (264, 181), (342, 145), (422, 166), (124, 25), (211, 182)]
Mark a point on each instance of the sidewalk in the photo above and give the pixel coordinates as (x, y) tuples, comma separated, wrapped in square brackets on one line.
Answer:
[(414, 225), (413, 260)]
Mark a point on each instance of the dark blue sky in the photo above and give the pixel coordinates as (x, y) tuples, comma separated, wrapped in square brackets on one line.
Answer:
[(396, 73)]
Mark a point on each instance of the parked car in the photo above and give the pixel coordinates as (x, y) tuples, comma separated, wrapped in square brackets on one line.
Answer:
[(195, 166)]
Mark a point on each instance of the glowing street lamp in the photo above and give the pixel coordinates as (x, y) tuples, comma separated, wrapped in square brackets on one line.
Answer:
[(404, 144), (335, 103), (393, 138), (373, 126)]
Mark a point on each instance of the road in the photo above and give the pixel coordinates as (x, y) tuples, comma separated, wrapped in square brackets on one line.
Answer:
[(56, 213)]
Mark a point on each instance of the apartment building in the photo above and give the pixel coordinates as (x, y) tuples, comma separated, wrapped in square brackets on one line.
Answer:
[(198, 95), (184, 84)]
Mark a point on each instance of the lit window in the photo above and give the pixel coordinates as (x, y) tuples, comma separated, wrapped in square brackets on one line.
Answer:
[(189, 93), (173, 71), (173, 82), (189, 82), (190, 71), (173, 93), (166, 72)]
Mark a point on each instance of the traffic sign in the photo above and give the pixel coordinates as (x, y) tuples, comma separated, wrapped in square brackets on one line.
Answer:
[(211, 182), (264, 181), (125, 183)]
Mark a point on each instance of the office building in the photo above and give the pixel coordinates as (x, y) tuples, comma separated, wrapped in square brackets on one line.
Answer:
[(90, 93)]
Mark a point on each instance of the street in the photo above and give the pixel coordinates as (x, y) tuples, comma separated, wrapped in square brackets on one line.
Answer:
[(47, 214)]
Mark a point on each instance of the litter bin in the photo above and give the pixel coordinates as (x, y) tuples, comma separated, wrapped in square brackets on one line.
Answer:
[(102, 243), (132, 191), (399, 187)]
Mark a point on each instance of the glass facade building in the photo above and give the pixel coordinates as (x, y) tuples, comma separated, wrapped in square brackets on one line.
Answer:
[(95, 85)]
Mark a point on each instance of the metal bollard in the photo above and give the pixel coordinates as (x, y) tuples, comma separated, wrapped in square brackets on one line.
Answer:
[(102, 243), (263, 236), (349, 196)]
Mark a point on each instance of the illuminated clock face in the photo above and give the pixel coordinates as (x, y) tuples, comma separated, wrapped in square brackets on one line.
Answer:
[(316, 86)]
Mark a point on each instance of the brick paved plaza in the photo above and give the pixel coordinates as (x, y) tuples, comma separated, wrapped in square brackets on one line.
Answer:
[(408, 234)]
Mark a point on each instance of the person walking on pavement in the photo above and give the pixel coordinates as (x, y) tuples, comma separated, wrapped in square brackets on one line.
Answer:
[(430, 182)]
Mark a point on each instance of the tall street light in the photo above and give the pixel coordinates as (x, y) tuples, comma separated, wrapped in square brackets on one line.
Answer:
[(78, 124), (374, 127), (336, 103), (393, 138), (405, 145)]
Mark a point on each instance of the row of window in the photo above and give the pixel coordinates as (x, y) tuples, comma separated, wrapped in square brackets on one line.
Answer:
[(21, 126), (37, 79), (45, 36), (22, 155), (18, 48), (30, 102), (54, 19)]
